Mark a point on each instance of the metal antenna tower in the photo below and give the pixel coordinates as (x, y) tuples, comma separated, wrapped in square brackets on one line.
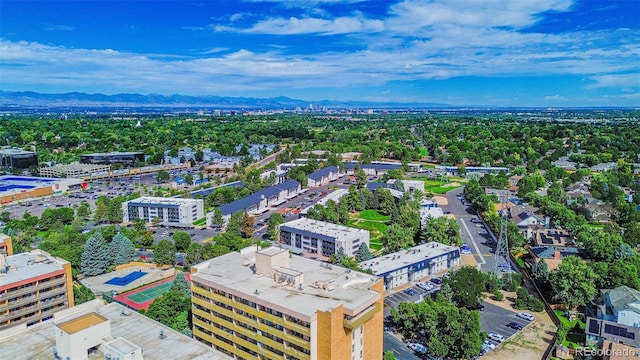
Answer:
[(501, 262)]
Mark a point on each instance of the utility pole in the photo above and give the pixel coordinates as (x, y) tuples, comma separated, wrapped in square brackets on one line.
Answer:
[(501, 261)]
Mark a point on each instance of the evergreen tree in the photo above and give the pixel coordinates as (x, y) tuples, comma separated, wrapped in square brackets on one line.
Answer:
[(273, 228), (95, 257), (234, 226), (218, 219), (363, 253), (181, 284), (121, 249), (165, 253), (541, 273)]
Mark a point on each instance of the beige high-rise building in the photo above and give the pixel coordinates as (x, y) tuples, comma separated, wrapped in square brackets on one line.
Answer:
[(33, 286), (268, 304)]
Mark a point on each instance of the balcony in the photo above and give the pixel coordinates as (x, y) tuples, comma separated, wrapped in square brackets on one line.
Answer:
[(365, 316)]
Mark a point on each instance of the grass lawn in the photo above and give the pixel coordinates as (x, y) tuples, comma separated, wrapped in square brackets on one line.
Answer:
[(373, 215), (200, 222), (437, 189), (374, 222), (567, 323)]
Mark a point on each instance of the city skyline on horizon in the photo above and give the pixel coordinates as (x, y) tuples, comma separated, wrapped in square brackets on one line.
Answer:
[(556, 53)]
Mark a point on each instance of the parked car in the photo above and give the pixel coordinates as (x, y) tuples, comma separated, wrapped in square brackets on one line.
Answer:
[(436, 281), (514, 325), (417, 347), (410, 292), (525, 316), (496, 337)]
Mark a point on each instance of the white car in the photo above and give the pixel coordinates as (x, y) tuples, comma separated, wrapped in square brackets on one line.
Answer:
[(496, 337), (488, 344), (417, 347), (465, 252), (525, 316)]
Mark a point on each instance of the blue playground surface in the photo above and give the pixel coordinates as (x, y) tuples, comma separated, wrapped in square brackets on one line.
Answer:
[(126, 280)]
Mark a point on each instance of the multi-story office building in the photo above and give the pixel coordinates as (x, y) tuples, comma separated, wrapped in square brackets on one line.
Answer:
[(125, 158), (321, 237), (405, 266), (33, 286), (323, 176), (170, 211), (17, 158), (269, 305), (73, 170)]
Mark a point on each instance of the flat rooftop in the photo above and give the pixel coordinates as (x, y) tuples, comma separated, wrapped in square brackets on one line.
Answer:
[(322, 228), (81, 323), (114, 153), (37, 342), (29, 265), (234, 271), (13, 151), (400, 259), (162, 200)]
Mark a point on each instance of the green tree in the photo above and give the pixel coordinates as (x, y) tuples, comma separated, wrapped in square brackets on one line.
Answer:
[(121, 250), (83, 211), (165, 253), (273, 226), (195, 254), (182, 240), (395, 238), (361, 178), (146, 239), (82, 294), (163, 176), (95, 257), (181, 284), (540, 273), (388, 355), (467, 285), (217, 219), (447, 331), (573, 282), (235, 223), (188, 178)]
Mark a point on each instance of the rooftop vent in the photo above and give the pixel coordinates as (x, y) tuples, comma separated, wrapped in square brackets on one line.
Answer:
[(162, 335), (256, 292)]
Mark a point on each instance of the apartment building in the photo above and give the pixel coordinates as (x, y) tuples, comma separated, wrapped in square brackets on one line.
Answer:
[(322, 237), (170, 211), (268, 304), (98, 331), (33, 286), (6, 246), (411, 265)]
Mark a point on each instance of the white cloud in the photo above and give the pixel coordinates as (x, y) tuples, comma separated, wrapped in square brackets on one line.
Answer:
[(293, 25), (59, 28)]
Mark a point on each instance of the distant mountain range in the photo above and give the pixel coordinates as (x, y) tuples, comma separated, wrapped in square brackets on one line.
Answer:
[(79, 100)]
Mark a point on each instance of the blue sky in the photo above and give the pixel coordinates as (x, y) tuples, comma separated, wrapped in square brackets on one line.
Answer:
[(462, 52)]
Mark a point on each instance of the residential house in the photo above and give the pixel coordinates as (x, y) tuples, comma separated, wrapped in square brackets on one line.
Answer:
[(616, 319)]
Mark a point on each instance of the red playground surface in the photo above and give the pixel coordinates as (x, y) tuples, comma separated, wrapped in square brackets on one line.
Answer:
[(148, 292)]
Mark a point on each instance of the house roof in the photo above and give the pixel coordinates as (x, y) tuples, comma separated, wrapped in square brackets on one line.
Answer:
[(548, 252), (621, 297), (319, 174), (255, 198)]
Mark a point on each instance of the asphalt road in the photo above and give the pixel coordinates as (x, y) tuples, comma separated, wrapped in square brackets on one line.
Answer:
[(477, 237), (399, 348)]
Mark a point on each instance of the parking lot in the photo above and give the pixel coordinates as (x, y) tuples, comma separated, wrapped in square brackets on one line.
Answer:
[(417, 295), (494, 319)]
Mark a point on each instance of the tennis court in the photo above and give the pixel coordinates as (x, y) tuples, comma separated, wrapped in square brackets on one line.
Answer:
[(142, 297), (150, 293)]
